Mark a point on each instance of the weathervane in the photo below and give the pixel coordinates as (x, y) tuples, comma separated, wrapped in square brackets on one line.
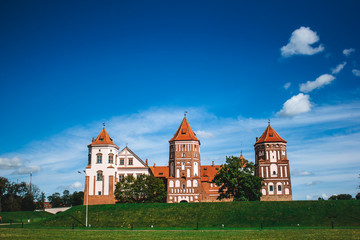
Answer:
[(185, 113), (104, 125), (269, 121)]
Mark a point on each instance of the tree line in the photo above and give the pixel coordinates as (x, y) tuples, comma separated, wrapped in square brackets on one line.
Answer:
[(25, 197)]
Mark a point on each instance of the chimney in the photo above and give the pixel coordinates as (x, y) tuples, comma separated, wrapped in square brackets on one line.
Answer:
[(147, 162), (212, 163), (257, 139), (154, 164), (93, 139)]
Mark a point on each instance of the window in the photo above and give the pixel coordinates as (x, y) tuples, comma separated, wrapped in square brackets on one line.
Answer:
[(130, 161), (279, 188), (274, 172), (99, 176), (98, 158), (271, 188), (99, 192), (111, 159), (161, 174), (121, 177), (183, 154), (195, 154), (183, 186), (122, 161)]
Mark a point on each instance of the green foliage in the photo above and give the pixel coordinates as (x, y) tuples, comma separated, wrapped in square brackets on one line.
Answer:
[(341, 197), (55, 200), (143, 189), (17, 196), (237, 180), (77, 198)]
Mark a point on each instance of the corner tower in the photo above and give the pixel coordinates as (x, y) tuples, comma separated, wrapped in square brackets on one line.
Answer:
[(101, 170), (271, 163), (184, 182)]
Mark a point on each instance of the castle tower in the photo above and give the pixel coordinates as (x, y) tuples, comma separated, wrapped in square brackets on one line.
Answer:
[(272, 164), (101, 170), (184, 182)]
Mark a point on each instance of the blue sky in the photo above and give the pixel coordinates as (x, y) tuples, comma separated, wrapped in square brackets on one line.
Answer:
[(66, 67)]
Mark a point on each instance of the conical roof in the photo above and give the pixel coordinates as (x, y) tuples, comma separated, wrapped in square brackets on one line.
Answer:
[(103, 139), (270, 135), (184, 132)]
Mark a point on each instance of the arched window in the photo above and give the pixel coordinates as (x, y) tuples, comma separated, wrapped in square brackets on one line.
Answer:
[(183, 166), (195, 183), (177, 183), (188, 183), (171, 183), (183, 186), (99, 175)]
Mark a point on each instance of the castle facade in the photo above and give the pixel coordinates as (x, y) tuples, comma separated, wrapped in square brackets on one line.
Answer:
[(187, 180)]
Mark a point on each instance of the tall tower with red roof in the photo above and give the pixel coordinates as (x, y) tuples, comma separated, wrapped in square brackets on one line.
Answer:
[(184, 182), (101, 170), (272, 164)]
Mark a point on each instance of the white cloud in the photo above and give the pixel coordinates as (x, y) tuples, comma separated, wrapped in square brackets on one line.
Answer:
[(296, 105), (312, 183), (11, 163), (287, 85), (297, 172), (356, 72), (316, 196), (348, 52), (338, 68), (75, 185), (27, 170), (321, 81), (300, 43), (204, 134)]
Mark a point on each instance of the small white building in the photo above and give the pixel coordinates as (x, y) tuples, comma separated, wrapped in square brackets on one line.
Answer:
[(106, 165)]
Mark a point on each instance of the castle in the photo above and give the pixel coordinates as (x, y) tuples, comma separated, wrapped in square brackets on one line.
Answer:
[(187, 180)]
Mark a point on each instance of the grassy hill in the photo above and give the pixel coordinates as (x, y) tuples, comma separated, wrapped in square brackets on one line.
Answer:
[(213, 215), (17, 217)]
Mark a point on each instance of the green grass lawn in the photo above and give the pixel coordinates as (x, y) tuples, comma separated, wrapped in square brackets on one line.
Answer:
[(187, 234), (213, 215)]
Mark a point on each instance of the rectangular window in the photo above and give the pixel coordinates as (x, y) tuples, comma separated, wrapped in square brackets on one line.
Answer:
[(121, 177), (99, 158), (271, 188), (99, 193), (111, 159), (130, 161), (122, 161), (99, 176), (279, 188)]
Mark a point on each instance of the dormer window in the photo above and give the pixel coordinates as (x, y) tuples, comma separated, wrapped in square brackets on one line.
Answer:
[(161, 174), (101, 139)]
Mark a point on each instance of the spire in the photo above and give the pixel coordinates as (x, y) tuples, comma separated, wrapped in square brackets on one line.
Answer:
[(270, 135), (103, 138), (184, 132)]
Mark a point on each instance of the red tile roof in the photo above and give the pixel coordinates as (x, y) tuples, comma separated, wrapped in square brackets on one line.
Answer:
[(270, 135), (103, 139), (184, 132), (208, 172), (161, 171)]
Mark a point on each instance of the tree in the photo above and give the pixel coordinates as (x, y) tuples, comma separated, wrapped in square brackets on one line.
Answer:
[(145, 188), (55, 200), (237, 180), (40, 201), (4, 182), (66, 199), (341, 197), (77, 198)]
